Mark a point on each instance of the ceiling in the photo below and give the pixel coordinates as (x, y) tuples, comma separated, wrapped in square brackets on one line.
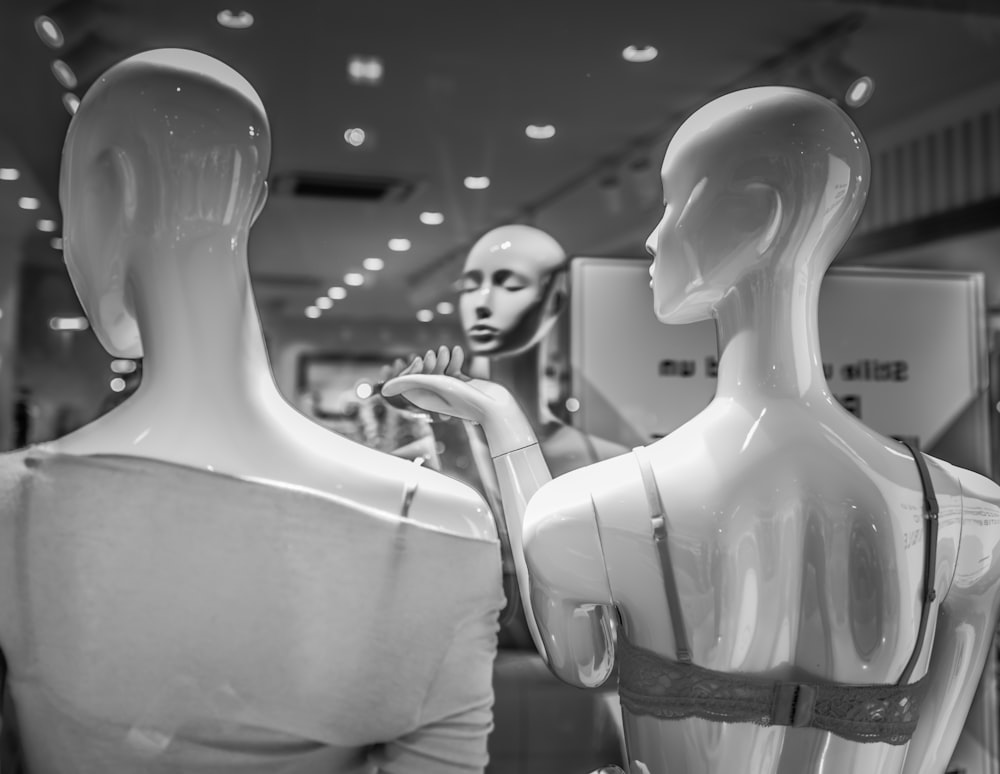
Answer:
[(461, 82)]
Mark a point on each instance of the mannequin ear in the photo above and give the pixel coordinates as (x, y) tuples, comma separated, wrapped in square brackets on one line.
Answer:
[(261, 201), (776, 211), (557, 294)]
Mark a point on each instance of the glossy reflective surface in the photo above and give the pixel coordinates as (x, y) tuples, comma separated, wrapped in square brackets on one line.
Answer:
[(163, 173)]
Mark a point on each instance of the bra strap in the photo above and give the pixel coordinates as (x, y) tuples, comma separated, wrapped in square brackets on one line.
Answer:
[(659, 521), (930, 559)]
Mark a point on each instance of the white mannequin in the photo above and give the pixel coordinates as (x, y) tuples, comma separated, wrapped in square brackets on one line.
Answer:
[(203, 580), (785, 515), (172, 285)]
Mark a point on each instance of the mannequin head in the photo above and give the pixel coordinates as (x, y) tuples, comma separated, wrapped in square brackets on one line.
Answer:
[(511, 290), (166, 155), (768, 178)]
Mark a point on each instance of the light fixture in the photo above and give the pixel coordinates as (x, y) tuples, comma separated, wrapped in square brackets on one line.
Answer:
[(240, 20), (572, 405), (28, 203), (399, 245), (46, 225), (432, 218), (639, 53), (49, 31), (71, 102), (312, 312), (425, 315), (860, 91), (117, 384), (64, 74), (324, 302), (65, 23), (354, 279), (373, 264), (9, 173), (540, 132), (477, 183), (56, 243), (364, 390), (445, 307), (355, 137), (123, 366), (365, 70), (337, 293), (69, 323)]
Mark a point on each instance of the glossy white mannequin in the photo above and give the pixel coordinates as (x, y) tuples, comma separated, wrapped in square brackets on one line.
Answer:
[(788, 520), (155, 243)]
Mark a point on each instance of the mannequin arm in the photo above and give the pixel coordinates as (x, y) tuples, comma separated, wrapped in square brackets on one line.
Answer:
[(965, 630), (569, 587)]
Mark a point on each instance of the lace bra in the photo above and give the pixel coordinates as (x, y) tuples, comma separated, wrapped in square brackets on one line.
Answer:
[(651, 684)]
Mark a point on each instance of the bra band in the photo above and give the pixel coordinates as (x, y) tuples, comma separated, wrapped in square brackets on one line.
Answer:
[(666, 566)]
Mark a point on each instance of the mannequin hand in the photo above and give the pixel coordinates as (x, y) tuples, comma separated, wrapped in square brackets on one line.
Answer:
[(435, 382)]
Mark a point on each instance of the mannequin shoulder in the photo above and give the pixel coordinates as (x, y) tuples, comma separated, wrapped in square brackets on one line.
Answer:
[(570, 497), (449, 504), (978, 560)]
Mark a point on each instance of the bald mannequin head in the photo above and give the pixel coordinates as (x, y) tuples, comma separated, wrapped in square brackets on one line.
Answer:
[(769, 177), (511, 290), (168, 148)]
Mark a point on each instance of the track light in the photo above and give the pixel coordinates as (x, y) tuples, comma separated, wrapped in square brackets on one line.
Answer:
[(64, 24), (83, 62)]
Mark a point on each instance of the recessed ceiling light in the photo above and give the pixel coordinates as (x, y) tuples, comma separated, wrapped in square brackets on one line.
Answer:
[(9, 173), (324, 302), (28, 203), (860, 91), (64, 74), (639, 53), (432, 218), (49, 31), (123, 366), (445, 307), (373, 264), (71, 102), (425, 315), (365, 70), (240, 20), (68, 323), (117, 384), (354, 279), (540, 132), (337, 293), (477, 183), (364, 390), (312, 312), (46, 225), (56, 242), (399, 245), (355, 137)]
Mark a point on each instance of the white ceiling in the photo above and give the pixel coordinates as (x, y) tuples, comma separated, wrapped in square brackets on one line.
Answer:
[(462, 80)]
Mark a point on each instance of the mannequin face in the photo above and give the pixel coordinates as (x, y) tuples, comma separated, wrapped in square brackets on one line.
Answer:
[(508, 293)]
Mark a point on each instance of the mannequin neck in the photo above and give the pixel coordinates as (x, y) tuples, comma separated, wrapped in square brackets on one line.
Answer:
[(201, 335), (520, 374), (769, 337)]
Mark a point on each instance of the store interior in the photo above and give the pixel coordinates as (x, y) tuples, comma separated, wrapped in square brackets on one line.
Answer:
[(402, 132)]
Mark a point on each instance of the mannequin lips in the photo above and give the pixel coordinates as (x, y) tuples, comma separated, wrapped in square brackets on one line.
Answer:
[(482, 334)]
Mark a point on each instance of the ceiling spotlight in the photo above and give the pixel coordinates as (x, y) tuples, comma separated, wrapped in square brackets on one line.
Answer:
[(543, 132), (859, 92), (354, 279), (432, 218), (337, 293), (68, 323), (65, 23), (312, 312), (64, 74), (123, 366), (445, 307), (477, 183), (56, 243), (365, 70), (399, 245), (46, 225), (240, 20), (364, 390), (355, 137), (117, 384), (71, 102), (49, 31), (28, 203), (324, 302), (639, 53), (9, 173), (373, 264), (425, 315)]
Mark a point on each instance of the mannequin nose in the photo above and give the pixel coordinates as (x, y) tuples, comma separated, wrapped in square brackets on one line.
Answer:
[(484, 302), (651, 244)]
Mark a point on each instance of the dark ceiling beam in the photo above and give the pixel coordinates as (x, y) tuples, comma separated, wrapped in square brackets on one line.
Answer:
[(964, 7)]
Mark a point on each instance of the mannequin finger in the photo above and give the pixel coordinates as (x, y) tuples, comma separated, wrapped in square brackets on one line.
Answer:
[(455, 361), (443, 359), (430, 361), (416, 366)]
